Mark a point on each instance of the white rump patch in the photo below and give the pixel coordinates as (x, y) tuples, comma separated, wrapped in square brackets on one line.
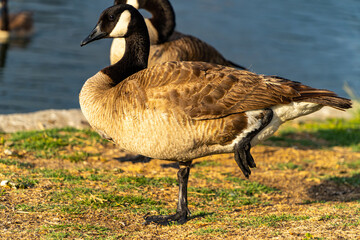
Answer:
[(133, 3), (122, 25), (294, 110), (283, 113)]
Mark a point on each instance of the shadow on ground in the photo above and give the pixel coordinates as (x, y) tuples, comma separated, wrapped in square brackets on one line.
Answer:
[(134, 159), (337, 189)]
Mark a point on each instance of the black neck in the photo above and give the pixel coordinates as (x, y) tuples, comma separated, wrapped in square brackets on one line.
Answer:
[(163, 17), (135, 57), (4, 16)]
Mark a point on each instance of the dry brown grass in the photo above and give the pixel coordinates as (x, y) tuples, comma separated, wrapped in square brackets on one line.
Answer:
[(305, 193)]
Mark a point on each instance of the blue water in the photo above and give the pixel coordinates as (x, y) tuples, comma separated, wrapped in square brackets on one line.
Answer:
[(315, 42)]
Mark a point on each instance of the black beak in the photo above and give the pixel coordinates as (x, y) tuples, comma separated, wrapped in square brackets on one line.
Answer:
[(96, 34)]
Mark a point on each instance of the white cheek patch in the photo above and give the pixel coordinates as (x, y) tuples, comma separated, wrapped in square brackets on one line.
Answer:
[(122, 25), (133, 3)]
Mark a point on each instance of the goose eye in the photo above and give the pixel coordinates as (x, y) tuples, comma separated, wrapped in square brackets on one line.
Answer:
[(111, 17)]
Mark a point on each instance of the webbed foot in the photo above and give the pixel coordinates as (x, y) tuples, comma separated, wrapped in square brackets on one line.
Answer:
[(244, 159)]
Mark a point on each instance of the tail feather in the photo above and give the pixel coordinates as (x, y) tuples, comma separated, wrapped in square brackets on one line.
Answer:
[(314, 95), (331, 101)]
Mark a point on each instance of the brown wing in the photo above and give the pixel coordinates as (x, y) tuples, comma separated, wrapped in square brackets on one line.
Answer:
[(207, 91), (182, 47)]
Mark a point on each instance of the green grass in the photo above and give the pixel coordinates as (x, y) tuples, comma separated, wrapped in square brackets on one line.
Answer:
[(77, 231), (244, 194), (2, 192), (212, 231), (35, 208), (58, 175), (224, 198), (100, 177), (80, 227), (77, 156), (251, 188), (80, 197), (353, 180), (136, 182), (309, 236), (353, 165), (328, 217), (26, 208), (206, 216), (270, 220), (25, 182), (48, 143), (288, 165), (336, 132)]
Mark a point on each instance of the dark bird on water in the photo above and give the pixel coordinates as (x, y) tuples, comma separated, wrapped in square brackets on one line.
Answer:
[(17, 25)]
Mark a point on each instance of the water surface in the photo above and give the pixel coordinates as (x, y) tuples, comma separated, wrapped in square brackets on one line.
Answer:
[(315, 42)]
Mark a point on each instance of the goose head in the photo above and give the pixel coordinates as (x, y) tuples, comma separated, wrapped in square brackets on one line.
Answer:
[(115, 22), (124, 22)]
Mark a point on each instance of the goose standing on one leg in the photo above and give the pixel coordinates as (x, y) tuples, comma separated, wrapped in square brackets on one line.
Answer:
[(185, 110), (17, 25), (167, 45)]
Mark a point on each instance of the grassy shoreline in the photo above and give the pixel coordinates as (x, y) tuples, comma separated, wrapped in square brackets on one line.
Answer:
[(69, 183)]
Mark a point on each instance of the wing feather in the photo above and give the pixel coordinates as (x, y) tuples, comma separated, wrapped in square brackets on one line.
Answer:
[(207, 91)]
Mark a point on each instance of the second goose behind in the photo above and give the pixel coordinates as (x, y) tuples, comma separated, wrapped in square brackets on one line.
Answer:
[(167, 44)]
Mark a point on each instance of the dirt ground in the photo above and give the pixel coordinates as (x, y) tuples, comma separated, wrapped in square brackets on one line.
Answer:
[(316, 196)]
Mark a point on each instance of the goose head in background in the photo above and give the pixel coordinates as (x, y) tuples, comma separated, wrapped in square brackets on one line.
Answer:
[(181, 111), (15, 25), (162, 23), (167, 44)]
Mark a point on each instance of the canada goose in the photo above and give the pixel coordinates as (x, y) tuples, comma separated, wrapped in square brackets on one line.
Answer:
[(18, 25), (185, 110), (167, 45)]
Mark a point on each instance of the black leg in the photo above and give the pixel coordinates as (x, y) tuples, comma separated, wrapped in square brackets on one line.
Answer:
[(242, 153), (182, 211)]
